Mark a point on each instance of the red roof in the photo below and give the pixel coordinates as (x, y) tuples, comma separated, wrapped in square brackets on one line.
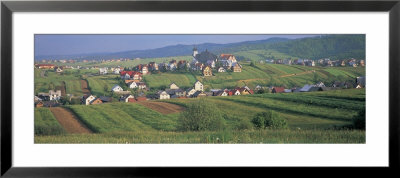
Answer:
[(130, 73), (279, 89), (225, 56)]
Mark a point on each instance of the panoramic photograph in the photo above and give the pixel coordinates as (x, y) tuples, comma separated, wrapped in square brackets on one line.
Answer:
[(199, 88)]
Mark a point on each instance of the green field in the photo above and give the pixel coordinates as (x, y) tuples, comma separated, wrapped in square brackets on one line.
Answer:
[(261, 55), (312, 117), (46, 123), (98, 84), (46, 79)]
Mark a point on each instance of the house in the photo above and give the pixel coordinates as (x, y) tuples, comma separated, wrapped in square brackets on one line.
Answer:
[(86, 99), (132, 84), (173, 86), (221, 69), (36, 99), (54, 95), (145, 70), (96, 101), (227, 60), (131, 75), (278, 90), (235, 92), (306, 88), (163, 95), (244, 90), (190, 92), (116, 88), (103, 70), (127, 98), (176, 92), (105, 99), (141, 85), (116, 70), (58, 69), (205, 56), (39, 104), (207, 71), (198, 86), (199, 94), (211, 63), (237, 68), (221, 93), (360, 82), (339, 84)]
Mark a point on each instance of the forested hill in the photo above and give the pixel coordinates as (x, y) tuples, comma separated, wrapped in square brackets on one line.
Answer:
[(332, 46), (327, 46)]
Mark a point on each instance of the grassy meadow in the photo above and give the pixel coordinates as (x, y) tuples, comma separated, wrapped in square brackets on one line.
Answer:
[(315, 117)]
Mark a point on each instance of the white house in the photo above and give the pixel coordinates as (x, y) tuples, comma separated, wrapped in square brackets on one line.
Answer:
[(236, 92), (221, 69), (103, 70), (173, 86), (163, 95), (145, 70), (198, 86), (117, 70), (116, 88), (190, 92), (141, 85), (132, 85), (54, 95), (125, 98), (88, 99)]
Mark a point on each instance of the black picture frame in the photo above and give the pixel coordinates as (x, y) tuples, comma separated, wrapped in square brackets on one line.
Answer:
[(8, 7)]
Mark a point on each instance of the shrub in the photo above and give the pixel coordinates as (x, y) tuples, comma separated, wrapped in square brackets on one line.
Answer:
[(269, 119), (359, 120), (200, 115)]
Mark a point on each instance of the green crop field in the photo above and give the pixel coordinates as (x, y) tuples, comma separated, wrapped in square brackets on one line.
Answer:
[(312, 118), (47, 79), (46, 123), (97, 84)]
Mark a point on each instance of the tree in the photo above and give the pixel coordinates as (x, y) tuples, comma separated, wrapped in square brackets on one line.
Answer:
[(269, 119), (105, 87), (199, 116)]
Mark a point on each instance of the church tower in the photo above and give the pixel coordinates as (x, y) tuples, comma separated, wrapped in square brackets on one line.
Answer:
[(195, 52)]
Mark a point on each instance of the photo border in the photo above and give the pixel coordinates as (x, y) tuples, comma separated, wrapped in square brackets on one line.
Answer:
[(8, 7)]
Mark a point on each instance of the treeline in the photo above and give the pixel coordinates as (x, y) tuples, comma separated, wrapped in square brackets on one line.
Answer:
[(328, 46)]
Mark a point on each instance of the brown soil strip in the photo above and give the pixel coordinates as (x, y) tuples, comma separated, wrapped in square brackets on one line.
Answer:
[(84, 87), (69, 121), (307, 72), (164, 108)]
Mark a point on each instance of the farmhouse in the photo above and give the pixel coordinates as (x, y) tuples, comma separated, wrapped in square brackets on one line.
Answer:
[(163, 95), (103, 71), (190, 92), (237, 68), (199, 94), (58, 69), (45, 66), (227, 60), (132, 84), (54, 95), (86, 99), (207, 71), (116, 88), (127, 98), (198, 86), (141, 85), (96, 101), (173, 86)]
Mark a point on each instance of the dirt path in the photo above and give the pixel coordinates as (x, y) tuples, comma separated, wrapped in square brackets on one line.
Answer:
[(69, 121), (164, 108), (302, 73), (84, 87)]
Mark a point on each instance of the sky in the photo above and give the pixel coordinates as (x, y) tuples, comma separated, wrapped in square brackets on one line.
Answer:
[(52, 44)]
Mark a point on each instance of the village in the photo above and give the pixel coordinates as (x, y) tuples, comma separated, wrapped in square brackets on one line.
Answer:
[(206, 64)]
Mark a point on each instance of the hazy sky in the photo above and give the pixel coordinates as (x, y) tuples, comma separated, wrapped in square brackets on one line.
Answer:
[(81, 44)]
